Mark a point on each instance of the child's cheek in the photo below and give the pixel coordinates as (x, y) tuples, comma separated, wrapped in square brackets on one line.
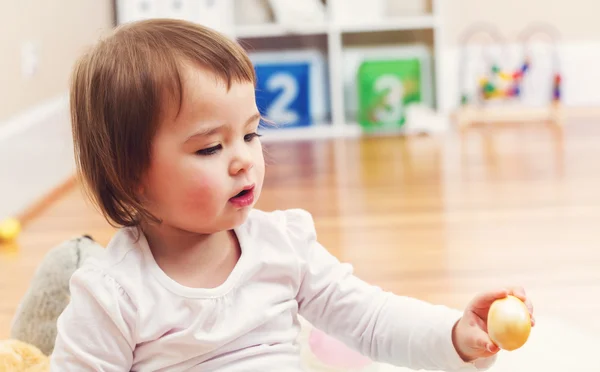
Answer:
[(201, 190)]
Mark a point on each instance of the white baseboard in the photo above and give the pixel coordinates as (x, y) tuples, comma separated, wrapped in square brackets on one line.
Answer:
[(36, 149)]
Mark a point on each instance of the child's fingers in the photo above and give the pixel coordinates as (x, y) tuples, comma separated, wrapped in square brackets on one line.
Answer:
[(519, 292), (473, 341), (484, 300), (492, 348), (483, 343)]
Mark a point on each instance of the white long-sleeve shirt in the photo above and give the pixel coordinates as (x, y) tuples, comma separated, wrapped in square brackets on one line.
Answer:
[(126, 314)]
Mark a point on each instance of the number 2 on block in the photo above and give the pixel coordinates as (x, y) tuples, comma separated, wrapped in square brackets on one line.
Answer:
[(279, 110)]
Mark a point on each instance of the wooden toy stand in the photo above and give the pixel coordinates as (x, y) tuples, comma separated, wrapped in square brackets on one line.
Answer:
[(468, 116), (497, 99)]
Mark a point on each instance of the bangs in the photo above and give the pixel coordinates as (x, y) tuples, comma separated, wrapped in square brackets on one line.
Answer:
[(171, 47)]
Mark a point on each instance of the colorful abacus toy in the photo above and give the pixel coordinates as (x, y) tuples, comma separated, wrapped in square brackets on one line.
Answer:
[(499, 96), (509, 84)]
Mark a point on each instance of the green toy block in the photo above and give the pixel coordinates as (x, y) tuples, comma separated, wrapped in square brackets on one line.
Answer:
[(385, 88)]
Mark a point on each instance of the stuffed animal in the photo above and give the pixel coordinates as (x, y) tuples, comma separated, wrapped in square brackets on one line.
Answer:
[(17, 356), (48, 294)]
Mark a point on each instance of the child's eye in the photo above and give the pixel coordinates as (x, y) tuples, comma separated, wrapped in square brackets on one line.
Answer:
[(250, 136), (209, 151)]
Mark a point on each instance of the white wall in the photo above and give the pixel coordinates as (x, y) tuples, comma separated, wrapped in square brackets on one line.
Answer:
[(37, 153), (35, 137), (577, 20), (58, 31), (578, 47)]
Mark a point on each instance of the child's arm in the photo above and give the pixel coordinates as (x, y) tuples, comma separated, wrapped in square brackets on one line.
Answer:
[(398, 330), (95, 330)]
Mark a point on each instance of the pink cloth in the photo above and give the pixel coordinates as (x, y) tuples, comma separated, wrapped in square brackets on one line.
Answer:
[(334, 353)]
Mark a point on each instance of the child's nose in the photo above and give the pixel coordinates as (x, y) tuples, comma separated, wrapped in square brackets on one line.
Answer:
[(241, 162)]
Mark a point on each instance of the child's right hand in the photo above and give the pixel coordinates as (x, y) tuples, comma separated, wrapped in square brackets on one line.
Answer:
[(470, 336)]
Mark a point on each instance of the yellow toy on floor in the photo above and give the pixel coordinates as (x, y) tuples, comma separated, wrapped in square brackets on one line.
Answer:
[(18, 356), (9, 230)]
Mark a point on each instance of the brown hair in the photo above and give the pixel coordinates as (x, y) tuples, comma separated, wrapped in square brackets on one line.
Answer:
[(116, 94)]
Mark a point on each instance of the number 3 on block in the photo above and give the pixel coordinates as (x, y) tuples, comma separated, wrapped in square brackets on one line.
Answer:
[(391, 87)]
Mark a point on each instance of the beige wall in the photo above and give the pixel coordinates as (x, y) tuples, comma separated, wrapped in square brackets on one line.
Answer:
[(60, 29), (577, 20)]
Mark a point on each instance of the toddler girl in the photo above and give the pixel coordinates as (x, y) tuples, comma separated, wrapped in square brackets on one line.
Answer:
[(165, 131)]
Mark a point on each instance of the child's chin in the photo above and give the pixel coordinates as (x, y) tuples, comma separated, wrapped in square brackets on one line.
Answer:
[(235, 219), (241, 216)]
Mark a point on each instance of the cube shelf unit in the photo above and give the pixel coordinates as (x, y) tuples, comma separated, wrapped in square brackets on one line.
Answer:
[(333, 35)]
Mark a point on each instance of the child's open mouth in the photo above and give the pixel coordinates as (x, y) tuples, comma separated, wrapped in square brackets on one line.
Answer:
[(242, 193), (244, 198)]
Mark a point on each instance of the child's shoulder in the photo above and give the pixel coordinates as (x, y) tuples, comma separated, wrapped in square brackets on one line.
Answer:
[(126, 245), (288, 221), (123, 257), (293, 228)]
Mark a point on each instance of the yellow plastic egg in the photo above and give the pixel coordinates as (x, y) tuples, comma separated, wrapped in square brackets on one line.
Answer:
[(509, 323), (9, 229)]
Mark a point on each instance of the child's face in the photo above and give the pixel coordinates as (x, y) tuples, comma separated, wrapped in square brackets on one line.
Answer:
[(206, 155)]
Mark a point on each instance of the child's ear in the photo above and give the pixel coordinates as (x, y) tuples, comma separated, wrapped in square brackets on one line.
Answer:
[(140, 189)]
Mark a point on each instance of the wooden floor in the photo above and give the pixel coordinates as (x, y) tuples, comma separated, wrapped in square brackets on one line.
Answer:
[(437, 218)]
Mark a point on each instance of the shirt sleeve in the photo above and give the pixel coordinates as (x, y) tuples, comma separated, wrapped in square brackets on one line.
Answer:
[(94, 332), (388, 328)]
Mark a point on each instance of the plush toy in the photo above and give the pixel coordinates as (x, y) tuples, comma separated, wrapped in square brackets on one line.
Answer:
[(17, 356), (48, 293)]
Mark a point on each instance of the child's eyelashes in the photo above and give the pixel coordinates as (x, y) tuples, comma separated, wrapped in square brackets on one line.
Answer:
[(214, 149), (209, 151), (250, 136)]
